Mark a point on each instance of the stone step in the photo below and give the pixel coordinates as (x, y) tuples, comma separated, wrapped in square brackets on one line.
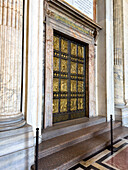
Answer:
[(58, 143), (70, 126), (70, 156)]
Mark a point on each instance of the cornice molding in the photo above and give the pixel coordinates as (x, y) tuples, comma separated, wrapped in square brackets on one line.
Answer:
[(73, 13)]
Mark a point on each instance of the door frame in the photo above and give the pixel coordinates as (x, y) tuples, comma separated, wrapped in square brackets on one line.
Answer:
[(55, 25)]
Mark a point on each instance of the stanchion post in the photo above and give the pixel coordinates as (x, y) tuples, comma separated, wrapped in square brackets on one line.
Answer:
[(111, 135), (37, 142)]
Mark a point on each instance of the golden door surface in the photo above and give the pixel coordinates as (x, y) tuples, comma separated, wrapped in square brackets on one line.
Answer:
[(69, 79)]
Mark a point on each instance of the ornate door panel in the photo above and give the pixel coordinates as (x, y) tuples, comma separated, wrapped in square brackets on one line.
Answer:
[(68, 80)]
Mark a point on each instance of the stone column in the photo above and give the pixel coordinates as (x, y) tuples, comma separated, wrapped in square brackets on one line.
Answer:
[(118, 55), (11, 14), (125, 29)]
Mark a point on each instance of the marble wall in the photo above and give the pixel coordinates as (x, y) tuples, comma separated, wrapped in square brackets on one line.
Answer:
[(94, 10), (109, 60), (105, 58), (101, 61), (34, 65)]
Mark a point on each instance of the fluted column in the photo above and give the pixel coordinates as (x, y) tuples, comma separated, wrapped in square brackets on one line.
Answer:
[(11, 12), (118, 54)]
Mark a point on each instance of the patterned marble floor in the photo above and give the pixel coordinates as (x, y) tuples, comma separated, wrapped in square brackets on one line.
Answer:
[(105, 161)]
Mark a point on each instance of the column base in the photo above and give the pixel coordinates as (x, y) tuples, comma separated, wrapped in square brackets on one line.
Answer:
[(125, 117), (120, 105), (9, 122), (122, 115)]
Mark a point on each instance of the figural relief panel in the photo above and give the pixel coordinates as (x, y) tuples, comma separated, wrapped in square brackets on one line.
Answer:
[(80, 103), (73, 68), (64, 46), (73, 105), (80, 52), (80, 69), (73, 86), (55, 105), (63, 85), (56, 43), (56, 85), (73, 49), (55, 64), (80, 86), (63, 105), (63, 65)]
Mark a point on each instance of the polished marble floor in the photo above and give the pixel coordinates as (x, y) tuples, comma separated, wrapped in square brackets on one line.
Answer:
[(103, 160)]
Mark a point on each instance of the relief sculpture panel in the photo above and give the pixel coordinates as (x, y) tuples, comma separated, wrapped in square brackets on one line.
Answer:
[(56, 43), (80, 69), (63, 105), (55, 105), (55, 64), (63, 65), (63, 85), (80, 86), (73, 68), (73, 105), (73, 49), (73, 86), (64, 46), (80, 52), (80, 103), (56, 85)]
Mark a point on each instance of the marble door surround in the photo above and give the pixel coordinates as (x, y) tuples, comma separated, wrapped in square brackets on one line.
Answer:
[(73, 24)]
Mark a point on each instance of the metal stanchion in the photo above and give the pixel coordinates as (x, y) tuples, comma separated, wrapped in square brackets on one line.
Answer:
[(111, 135), (37, 141)]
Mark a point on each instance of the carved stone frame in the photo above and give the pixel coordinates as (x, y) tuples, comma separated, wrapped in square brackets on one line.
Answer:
[(51, 25)]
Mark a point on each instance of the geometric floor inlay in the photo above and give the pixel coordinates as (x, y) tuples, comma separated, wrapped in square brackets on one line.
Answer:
[(104, 160)]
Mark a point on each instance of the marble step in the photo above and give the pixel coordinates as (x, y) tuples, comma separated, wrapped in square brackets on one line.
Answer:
[(70, 126), (58, 143), (70, 156)]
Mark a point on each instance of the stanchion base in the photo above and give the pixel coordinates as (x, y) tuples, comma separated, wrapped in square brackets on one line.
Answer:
[(114, 149)]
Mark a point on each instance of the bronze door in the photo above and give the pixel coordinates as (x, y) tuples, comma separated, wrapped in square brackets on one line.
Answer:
[(68, 79)]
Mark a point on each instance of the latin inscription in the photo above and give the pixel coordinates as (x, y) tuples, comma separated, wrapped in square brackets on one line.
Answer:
[(84, 6)]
